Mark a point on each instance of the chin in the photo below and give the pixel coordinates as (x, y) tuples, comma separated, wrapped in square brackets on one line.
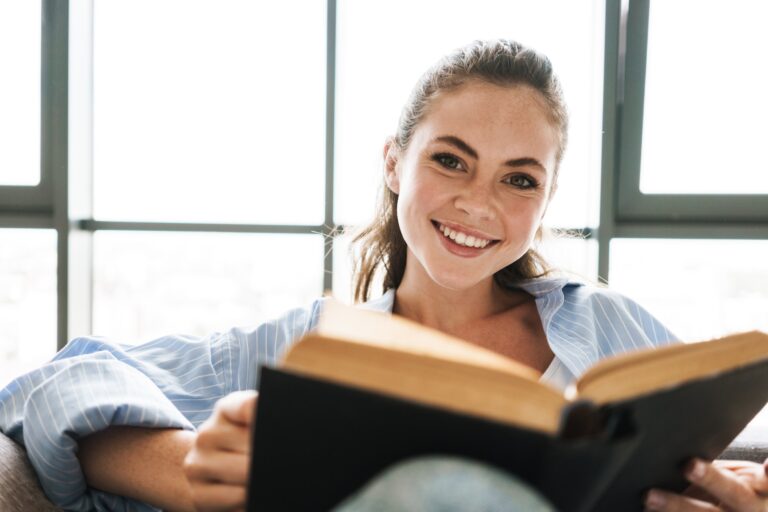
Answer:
[(456, 281)]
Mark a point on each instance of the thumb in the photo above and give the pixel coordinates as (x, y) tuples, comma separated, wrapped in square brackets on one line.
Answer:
[(238, 407)]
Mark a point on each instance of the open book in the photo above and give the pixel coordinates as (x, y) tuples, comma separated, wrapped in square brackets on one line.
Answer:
[(366, 389)]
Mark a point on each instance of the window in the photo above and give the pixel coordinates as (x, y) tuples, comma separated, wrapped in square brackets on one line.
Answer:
[(27, 299), (222, 122), (691, 126), (703, 122), (152, 284), (20, 39), (700, 289)]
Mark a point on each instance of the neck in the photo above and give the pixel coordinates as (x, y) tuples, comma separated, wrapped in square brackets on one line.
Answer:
[(421, 299)]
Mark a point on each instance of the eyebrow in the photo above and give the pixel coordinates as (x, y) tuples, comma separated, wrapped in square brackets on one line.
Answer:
[(515, 162)]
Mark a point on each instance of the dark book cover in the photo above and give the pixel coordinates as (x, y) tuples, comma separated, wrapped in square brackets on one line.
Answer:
[(316, 442), (699, 418)]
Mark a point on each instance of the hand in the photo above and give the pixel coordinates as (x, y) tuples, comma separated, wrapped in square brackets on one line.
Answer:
[(217, 464), (719, 486)]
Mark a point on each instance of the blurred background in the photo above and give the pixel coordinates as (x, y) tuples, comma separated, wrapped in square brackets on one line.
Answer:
[(190, 165)]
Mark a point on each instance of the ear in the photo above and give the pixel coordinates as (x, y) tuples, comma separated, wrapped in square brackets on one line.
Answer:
[(391, 169)]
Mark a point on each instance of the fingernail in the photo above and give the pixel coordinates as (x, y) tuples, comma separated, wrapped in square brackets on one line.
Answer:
[(655, 500), (696, 469)]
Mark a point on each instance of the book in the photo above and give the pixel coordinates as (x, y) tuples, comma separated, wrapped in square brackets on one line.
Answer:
[(366, 390)]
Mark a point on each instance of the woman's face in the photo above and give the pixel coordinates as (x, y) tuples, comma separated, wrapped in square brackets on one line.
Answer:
[(474, 182)]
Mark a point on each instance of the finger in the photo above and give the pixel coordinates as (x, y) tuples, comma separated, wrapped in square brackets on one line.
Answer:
[(218, 467), (662, 501), (238, 407), (737, 465), (755, 480), (700, 494), (218, 497), (222, 435), (724, 485)]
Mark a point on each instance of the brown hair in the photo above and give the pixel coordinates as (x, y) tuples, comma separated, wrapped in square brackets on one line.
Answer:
[(499, 62)]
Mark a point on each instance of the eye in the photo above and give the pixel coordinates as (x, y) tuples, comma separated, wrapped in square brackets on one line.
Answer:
[(521, 181), (448, 161)]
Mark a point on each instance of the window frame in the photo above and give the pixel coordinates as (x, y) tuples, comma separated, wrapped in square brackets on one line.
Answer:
[(32, 205), (632, 204)]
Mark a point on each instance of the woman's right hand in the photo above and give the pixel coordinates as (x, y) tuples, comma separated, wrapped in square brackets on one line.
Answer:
[(217, 465)]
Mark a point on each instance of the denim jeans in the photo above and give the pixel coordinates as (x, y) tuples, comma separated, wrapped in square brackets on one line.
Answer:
[(444, 484)]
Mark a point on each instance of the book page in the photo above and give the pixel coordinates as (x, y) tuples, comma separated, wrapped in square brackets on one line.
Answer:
[(637, 373), (397, 333), (393, 356)]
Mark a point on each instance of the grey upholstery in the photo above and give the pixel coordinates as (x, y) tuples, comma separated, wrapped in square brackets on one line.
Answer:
[(752, 443), (20, 490)]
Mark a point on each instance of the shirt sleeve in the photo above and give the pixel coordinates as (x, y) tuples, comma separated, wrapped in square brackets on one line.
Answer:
[(171, 382)]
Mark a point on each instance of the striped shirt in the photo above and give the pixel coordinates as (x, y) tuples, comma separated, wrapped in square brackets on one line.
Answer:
[(174, 381)]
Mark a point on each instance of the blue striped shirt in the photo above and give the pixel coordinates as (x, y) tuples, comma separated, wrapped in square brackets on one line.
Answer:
[(174, 381)]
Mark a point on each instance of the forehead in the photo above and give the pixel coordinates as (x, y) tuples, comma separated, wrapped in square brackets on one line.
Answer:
[(504, 117)]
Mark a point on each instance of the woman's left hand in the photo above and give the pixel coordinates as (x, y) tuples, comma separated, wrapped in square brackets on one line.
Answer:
[(719, 486)]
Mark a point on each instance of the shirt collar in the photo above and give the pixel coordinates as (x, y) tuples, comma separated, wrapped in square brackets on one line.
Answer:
[(537, 287)]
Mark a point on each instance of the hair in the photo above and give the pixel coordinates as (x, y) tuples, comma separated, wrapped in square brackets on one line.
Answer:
[(506, 63)]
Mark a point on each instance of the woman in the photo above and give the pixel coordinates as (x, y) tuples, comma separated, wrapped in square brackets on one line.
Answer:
[(468, 176)]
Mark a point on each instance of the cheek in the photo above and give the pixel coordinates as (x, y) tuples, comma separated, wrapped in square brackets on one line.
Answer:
[(418, 195), (523, 218), (408, 204)]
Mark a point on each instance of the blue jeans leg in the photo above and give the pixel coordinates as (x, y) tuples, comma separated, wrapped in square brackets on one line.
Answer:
[(444, 484)]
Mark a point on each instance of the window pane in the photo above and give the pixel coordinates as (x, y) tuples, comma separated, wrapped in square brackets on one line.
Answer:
[(704, 122), (573, 255), (216, 113), (383, 51), (152, 284), (27, 300), (20, 22), (699, 288)]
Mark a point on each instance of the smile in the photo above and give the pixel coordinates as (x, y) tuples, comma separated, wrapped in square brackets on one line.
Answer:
[(463, 239)]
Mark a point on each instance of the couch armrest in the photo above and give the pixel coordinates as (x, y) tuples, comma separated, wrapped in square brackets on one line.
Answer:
[(19, 488), (751, 444), (746, 451)]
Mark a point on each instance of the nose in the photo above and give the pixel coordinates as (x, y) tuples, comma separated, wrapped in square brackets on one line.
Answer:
[(476, 200)]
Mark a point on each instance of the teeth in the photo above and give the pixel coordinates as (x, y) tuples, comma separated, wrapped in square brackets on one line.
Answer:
[(462, 238)]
